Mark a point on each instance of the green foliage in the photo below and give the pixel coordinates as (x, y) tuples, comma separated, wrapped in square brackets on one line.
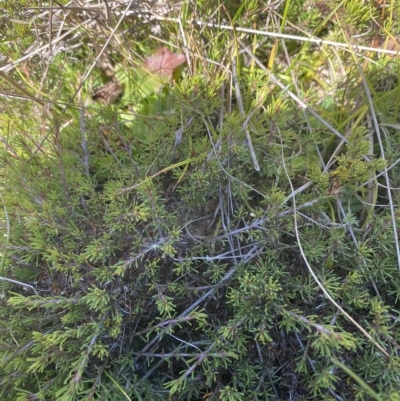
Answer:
[(145, 258)]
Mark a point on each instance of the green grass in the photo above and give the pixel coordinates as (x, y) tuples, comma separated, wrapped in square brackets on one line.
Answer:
[(228, 235)]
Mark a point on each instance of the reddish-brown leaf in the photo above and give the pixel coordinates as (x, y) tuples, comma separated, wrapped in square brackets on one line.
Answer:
[(163, 62), (109, 93)]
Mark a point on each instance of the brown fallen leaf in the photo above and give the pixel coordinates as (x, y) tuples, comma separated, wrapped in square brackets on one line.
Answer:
[(163, 62), (109, 93)]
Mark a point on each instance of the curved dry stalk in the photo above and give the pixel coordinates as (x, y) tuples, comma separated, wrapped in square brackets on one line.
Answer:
[(323, 289), (385, 171)]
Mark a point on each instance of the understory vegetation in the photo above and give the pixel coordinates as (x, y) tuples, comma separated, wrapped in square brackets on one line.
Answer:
[(225, 228)]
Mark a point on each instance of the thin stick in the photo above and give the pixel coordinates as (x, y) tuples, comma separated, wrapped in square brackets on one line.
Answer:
[(252, 253), (20, 283), (287, 36)]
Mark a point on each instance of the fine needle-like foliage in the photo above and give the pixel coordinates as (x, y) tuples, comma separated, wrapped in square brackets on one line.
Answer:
[(221, 228)]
